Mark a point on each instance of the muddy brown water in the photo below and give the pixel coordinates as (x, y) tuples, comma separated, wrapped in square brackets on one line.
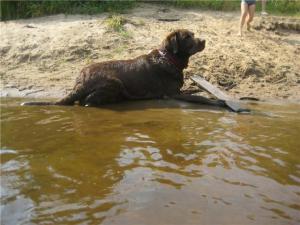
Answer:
[(152, 162)]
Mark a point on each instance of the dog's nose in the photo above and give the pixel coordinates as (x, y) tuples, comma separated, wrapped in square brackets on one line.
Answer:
[(202, 41)]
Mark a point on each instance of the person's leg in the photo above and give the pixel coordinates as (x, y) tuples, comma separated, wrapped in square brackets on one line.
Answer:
[(244, 13), (263, 7), (251, 10)]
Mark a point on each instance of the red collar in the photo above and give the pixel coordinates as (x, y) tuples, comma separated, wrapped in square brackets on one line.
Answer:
[(172, 59)]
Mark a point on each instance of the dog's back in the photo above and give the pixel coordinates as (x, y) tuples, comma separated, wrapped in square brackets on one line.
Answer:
[(140, 78), (148, 76)]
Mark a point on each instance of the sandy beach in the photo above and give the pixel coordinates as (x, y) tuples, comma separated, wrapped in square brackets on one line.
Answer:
[(41, 57)]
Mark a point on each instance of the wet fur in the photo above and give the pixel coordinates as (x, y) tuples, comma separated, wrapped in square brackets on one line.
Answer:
[(149, 76)]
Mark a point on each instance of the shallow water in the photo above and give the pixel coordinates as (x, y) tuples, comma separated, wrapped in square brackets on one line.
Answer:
[(152, 162)]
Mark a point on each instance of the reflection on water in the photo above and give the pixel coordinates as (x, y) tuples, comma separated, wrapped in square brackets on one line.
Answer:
[(149, 163)]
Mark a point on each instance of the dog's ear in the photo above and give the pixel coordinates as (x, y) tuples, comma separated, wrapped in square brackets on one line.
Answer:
[(171, 44)]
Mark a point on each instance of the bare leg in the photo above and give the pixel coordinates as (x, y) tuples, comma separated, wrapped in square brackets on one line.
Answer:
[(263, 7), (251, 10), (244, 13)]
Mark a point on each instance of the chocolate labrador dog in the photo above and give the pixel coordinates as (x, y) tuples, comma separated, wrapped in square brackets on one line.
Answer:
[(155, 75)]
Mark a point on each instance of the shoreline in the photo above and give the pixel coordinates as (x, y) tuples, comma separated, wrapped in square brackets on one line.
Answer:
[(43, 56)]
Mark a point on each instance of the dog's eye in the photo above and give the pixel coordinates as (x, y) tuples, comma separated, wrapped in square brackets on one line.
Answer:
[(189, 36)]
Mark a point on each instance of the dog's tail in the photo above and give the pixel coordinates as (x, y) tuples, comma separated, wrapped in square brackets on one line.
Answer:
[(70, 99)]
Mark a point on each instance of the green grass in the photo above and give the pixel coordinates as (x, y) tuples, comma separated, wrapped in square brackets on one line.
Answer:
[(27, 9), (291, 7), (115, 22), (209, 4), (277, 7)]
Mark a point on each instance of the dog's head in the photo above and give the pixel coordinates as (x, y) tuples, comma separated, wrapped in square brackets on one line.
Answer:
[(183, 43)]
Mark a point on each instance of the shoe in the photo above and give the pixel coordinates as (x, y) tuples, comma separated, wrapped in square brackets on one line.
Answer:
[(264, 13)]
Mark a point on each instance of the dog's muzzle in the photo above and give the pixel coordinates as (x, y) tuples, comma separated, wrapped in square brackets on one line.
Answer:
[(201, 44), (198, 46)]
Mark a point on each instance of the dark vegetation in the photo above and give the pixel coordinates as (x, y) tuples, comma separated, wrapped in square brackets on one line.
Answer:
[(27, 9), (287, 7)]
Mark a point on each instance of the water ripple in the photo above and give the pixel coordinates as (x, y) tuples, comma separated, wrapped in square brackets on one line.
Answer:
[(73, 165)]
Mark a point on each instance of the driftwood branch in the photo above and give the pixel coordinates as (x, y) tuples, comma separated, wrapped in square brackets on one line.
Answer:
[(168, 19)]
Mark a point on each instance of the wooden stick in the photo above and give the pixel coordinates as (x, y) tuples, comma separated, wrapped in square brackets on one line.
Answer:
[(230, 103)]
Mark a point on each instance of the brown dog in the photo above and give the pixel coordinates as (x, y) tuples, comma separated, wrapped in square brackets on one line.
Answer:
[(155, 75)]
